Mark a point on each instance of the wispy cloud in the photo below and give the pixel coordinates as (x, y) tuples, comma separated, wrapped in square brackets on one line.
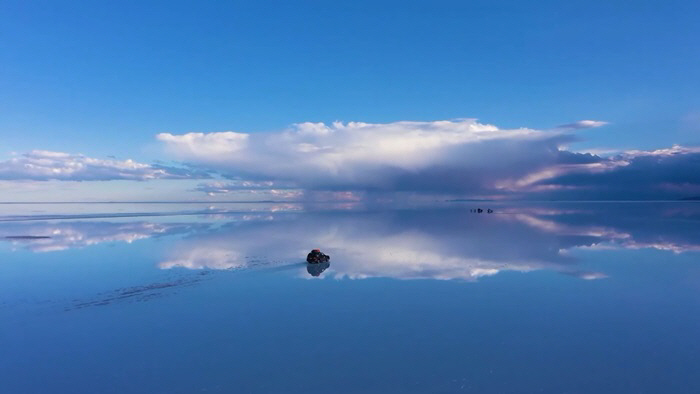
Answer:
[(42, 165), (583, 124), (224, 187)]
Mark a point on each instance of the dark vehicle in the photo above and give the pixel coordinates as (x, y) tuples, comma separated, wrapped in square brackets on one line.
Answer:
[(316, 257)]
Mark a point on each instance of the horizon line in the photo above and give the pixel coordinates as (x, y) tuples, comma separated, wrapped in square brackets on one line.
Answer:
[(307, 201)]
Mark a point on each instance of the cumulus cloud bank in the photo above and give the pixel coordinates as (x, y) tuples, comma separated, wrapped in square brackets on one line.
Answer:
[(454, 156), (457, 157), (42, 165)]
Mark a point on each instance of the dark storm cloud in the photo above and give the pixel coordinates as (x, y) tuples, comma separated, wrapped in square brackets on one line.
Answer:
[(670, 173)]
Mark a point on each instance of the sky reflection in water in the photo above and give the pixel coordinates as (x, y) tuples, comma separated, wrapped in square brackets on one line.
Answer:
[(217, 300)]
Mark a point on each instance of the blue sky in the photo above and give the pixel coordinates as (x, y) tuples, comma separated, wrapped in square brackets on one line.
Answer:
[(104, 79)]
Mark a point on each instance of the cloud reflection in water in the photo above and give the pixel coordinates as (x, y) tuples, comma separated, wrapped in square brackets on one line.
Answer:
[(445, 243), (56, 236)]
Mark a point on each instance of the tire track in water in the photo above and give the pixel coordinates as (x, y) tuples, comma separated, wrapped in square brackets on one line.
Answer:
[(150, 291)]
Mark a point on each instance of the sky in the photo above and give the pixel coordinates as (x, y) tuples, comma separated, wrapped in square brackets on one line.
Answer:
[(184, 100)]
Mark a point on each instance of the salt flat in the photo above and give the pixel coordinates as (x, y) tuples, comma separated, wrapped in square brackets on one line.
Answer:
[(432, 298)]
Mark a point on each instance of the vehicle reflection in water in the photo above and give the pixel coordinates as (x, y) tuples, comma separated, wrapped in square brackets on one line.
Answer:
[(317, 269)]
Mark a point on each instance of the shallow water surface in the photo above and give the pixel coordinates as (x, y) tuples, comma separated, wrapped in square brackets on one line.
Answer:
[(551, 298)]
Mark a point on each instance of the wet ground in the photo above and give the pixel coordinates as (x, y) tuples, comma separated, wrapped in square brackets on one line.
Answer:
[(524, 298)]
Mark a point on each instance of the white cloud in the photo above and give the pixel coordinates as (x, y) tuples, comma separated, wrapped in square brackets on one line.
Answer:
[(460, 158), (448, 156), (42, 165), (215, 145), (254, 187), (675, 150), (583, 124)]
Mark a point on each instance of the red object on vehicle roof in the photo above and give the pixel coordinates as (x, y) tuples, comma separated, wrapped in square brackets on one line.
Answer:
[(316, 257)]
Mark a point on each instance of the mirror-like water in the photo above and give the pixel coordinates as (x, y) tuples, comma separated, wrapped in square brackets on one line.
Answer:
[(553, 298)]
